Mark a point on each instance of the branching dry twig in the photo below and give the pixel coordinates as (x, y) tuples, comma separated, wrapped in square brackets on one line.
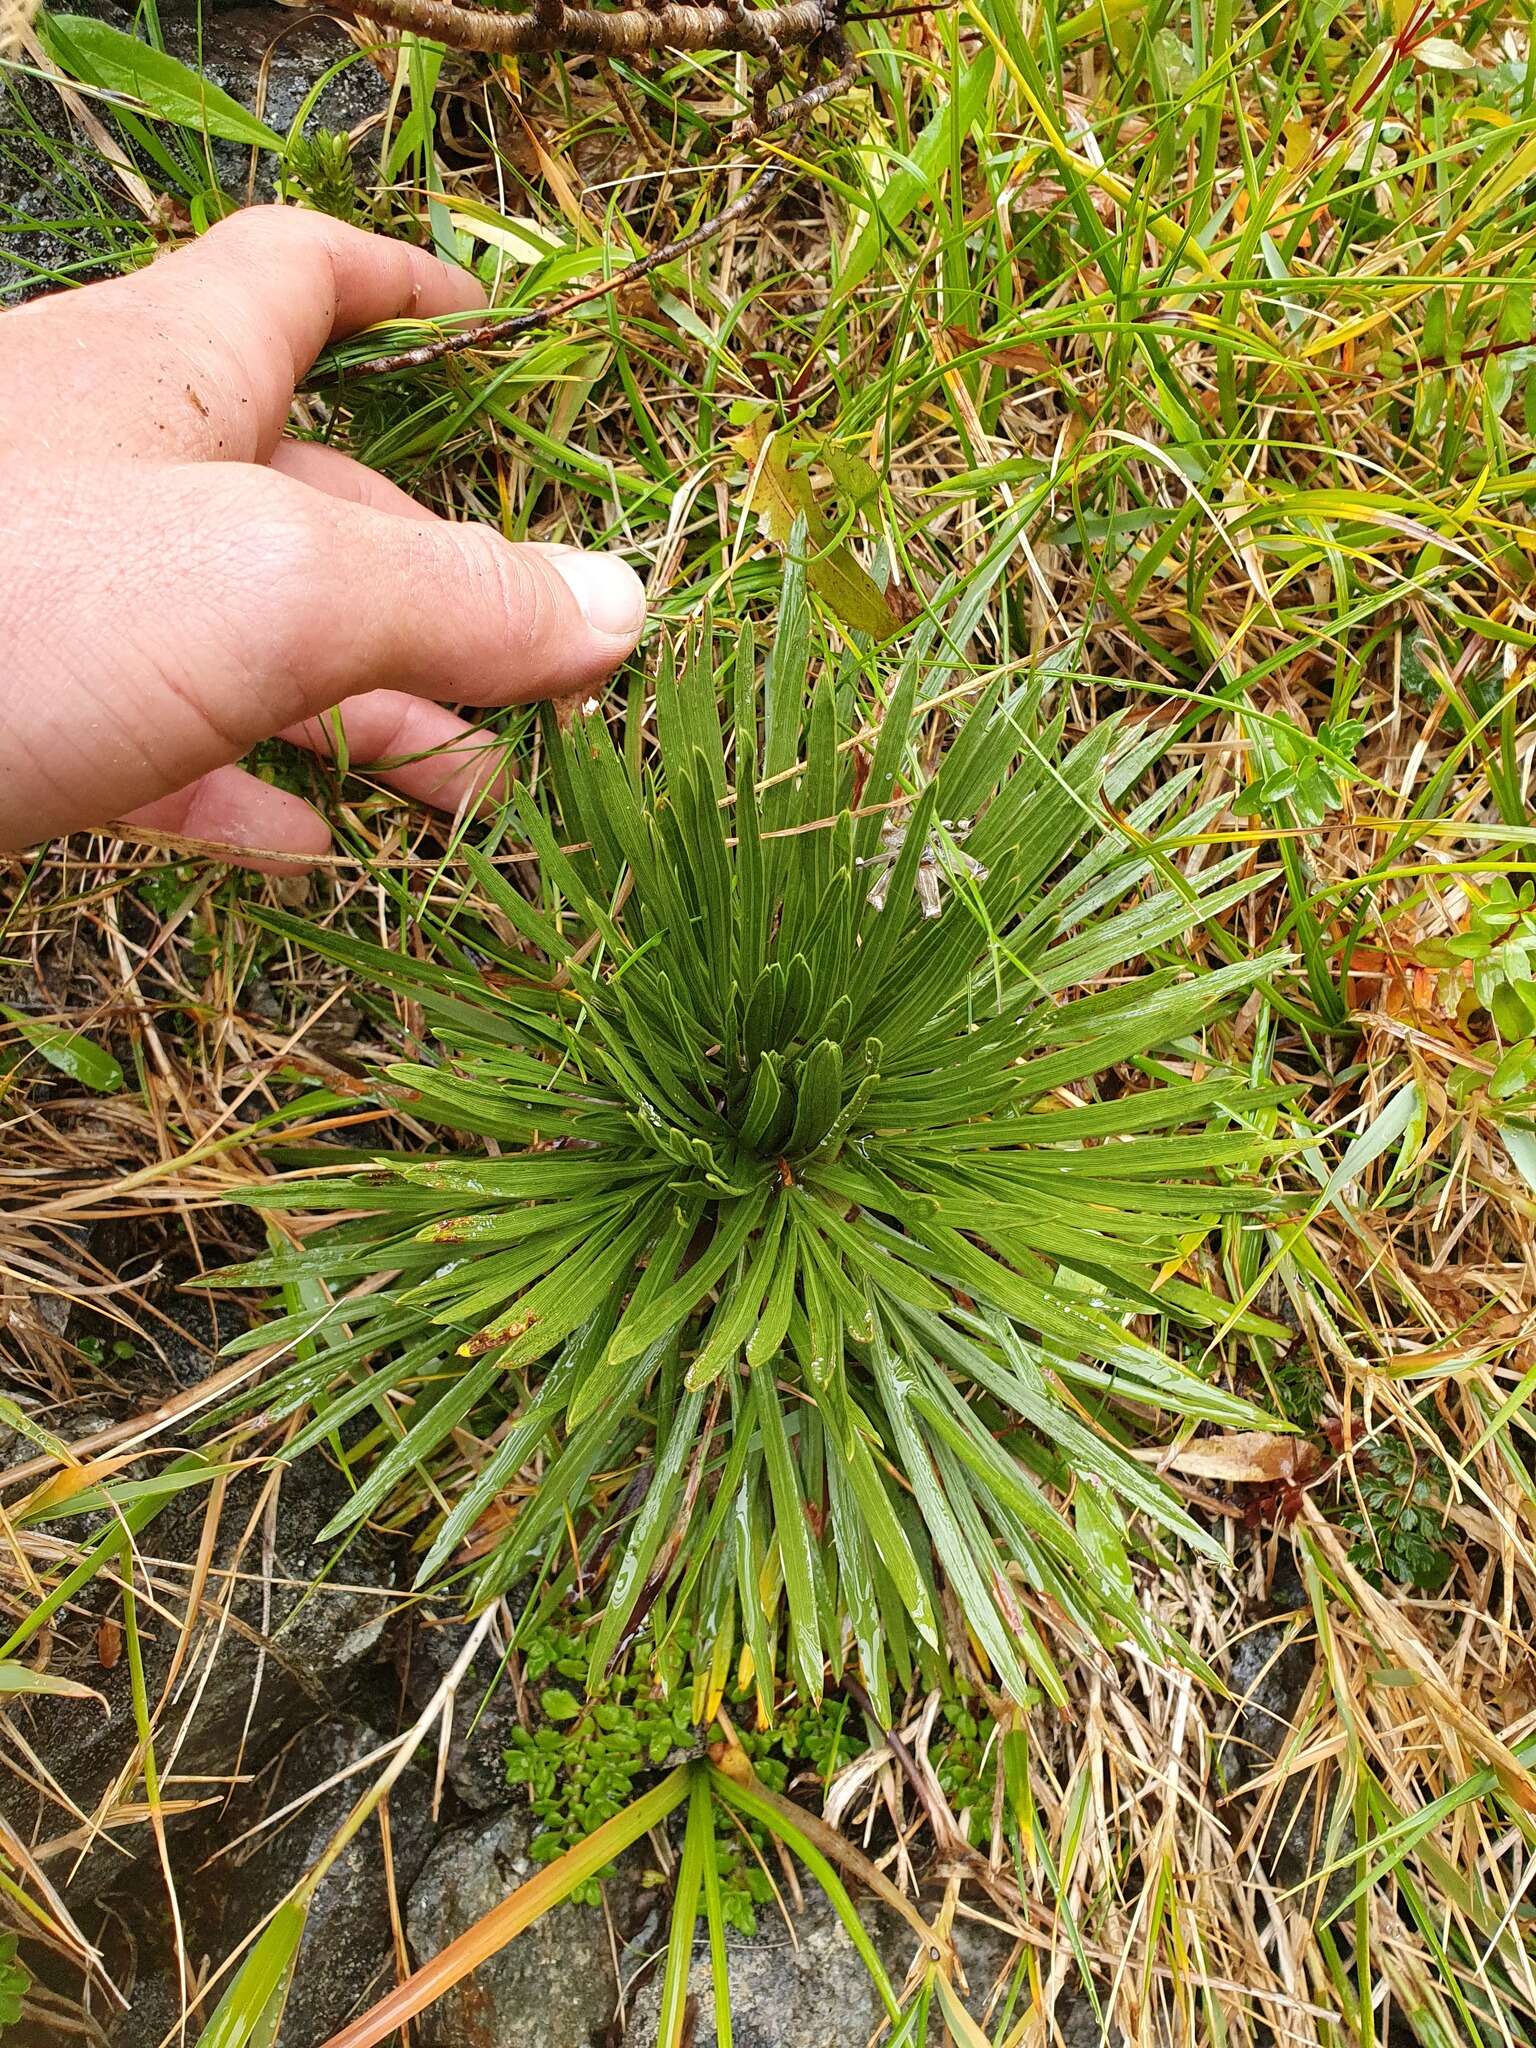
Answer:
[(507, 326), (554, 28)]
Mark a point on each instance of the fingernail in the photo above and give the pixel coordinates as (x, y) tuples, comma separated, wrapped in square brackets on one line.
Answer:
[(611, 595)]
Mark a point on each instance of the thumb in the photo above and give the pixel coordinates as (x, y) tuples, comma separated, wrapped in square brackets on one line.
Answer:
[(438, 608), (190, 610)]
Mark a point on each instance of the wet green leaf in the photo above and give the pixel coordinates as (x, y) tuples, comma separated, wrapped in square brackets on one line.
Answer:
[(96, 53), (70, 1051)]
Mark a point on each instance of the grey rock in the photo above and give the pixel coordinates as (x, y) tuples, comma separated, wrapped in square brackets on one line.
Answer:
[(154, 2011), (809, 1989), (270, 60), (64, 216), (552, 1987), (1270, 1671), (812, 1990), (284, 1653), (180, 1328), (187, 1343), (346, 1959), (781, 1997), (987, 1955), (1078, 2026)]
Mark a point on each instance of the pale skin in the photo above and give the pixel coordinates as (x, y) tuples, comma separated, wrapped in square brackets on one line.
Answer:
[(179, 578)]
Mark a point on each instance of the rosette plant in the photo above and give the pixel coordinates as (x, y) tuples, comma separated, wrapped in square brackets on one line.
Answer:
[(789, 1278)]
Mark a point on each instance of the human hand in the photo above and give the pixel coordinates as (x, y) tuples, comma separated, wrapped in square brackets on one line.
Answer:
[(179, 581)]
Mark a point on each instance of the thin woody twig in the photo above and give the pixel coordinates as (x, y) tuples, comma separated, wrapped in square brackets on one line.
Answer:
[(621, 32), (505, 327), (634, 29), (794, 111)]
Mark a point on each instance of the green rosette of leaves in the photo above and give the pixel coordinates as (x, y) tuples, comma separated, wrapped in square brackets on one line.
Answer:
[(790, 1280)]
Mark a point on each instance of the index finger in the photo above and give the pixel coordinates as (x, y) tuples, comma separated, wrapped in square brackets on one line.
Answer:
[(197, 355)]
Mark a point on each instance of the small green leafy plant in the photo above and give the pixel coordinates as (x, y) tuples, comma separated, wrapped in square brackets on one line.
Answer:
[(1498, 949), (15, 1981), (582, 1764), (1305, 773), (320, 168), (784, 1219), (1398, 1516)]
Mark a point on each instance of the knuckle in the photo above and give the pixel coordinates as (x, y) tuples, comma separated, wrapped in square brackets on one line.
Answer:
[(276, 541), (518, 604), (293, 242), (385, 727), (268, 225)]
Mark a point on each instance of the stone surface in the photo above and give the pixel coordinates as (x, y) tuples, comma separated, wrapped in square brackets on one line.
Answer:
[(553, 1987), (1270, 1671), (811, 1990), (291, 1645), (1080, 2027), (180, 1327), (806, 1990), (270, 59), (815, 1996), (63, 211), (346, 1959), (986, 1953)]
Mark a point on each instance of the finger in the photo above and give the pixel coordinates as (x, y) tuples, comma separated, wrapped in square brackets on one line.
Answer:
[(148, 665), (327, 469), (198, 354), (232, 809), (418, 748), (439, 609), (341, 476)]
